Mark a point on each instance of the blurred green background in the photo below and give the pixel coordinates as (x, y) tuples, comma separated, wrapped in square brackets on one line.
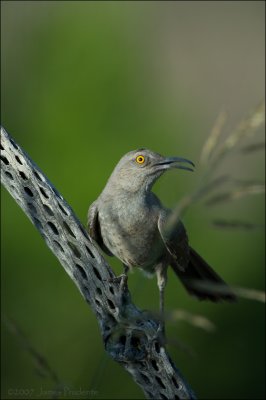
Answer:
[(82, 83)]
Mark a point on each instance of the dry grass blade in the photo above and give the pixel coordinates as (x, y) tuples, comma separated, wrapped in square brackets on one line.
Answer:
[(245, 129), (246, 293), (186, 201), (242, 225), (212, 140), (178, 212), (253, 147), (251, 294), (197, 321), (184, 347), (206, 189), (235, 194), (245, 183), (42, 366)]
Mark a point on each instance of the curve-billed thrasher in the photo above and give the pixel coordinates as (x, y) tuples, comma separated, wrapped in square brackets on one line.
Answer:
[(129, 221)]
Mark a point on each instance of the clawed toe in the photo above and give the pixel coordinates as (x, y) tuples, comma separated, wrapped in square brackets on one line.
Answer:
[(121, 279), (161, 331)]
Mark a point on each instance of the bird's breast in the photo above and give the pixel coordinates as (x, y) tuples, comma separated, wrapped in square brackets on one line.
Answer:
[(130, 232)]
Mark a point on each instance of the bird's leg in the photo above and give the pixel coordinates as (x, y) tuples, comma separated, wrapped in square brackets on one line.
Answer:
[(126, 269), (124, 276), (121, 279), (161, 272)]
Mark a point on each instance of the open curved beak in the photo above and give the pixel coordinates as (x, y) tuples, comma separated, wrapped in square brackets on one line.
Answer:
[(175, 162)]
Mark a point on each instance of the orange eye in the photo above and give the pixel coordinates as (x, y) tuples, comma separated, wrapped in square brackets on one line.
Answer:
[(140, 159)]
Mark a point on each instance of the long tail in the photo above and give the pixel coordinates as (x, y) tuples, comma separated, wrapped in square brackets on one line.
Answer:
[(201, 280)]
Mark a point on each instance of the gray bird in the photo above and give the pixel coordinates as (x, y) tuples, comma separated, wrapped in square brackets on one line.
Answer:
[(129, 221)]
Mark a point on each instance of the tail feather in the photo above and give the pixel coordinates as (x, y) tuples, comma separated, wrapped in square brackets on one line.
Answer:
[(202, 281)]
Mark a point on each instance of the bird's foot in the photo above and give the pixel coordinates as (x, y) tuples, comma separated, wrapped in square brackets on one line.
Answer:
[(161, 332), (121, 279), (122, 292)]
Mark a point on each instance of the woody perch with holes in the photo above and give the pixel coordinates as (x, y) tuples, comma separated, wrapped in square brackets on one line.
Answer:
[(131, 337)]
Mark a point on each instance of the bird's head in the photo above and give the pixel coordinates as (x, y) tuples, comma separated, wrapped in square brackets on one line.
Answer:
[(140, 168)]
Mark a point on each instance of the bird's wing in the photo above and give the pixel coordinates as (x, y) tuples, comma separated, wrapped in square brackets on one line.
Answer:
[(94, 227), (175, 240)]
